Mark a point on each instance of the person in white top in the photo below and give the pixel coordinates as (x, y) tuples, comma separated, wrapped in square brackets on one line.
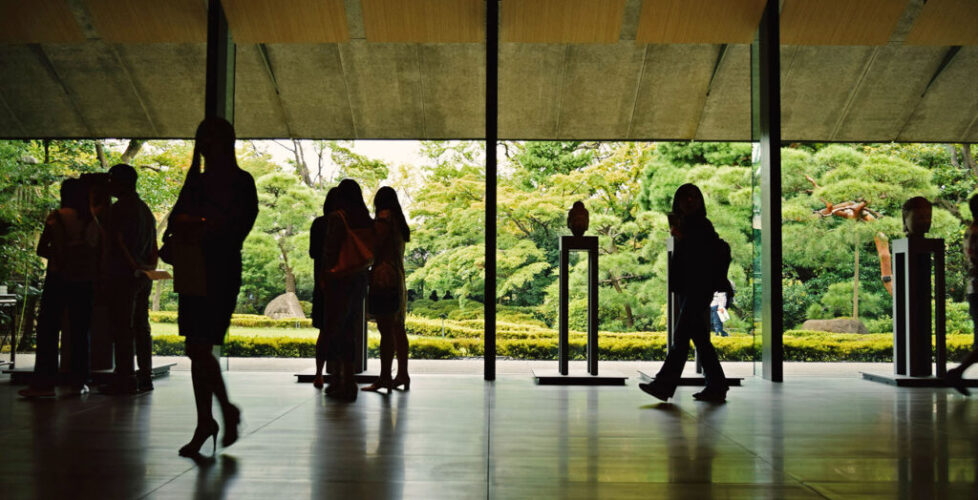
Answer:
[(718, 308)]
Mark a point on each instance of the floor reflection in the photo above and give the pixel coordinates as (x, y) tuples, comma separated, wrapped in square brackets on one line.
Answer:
[(459, 437)]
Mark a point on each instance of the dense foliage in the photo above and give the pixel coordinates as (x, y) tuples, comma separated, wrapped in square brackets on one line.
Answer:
[(626, 186)]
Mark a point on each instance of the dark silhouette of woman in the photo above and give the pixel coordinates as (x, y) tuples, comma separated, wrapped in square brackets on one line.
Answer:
[(70, 243), (388, 292), (216, 208), (344, 288), (317, 236), (694, 278)]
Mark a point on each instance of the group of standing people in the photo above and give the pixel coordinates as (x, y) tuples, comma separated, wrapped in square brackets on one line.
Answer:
[(357, 257), (98, 253)]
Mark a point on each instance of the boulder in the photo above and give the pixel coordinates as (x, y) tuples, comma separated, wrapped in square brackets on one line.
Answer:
[(285, 306), (838, 325)]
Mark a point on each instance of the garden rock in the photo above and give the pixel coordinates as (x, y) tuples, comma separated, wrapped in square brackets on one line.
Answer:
[(285, 306), (838, 325)]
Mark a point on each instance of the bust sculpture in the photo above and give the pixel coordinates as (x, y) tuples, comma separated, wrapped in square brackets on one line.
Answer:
[(578, 219), (916, 217)]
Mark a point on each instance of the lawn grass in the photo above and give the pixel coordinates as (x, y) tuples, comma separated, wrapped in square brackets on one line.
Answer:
[(159, 329)]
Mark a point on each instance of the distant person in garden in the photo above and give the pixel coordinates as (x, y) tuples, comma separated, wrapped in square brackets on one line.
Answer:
[(718, 308), (317, 238), (387, 298), (70, 243), (699, 268), (130, 251), (347, 254), (955, 375), (206, 230)]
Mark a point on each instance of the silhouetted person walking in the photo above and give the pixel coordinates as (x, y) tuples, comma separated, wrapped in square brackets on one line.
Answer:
[(388, 293), (130, 250), (347, 254), (317, 238), (699, 268), (954, 375), (211, 219), (70, 244)]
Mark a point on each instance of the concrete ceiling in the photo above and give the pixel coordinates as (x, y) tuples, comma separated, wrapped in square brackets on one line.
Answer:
[(882, 89)]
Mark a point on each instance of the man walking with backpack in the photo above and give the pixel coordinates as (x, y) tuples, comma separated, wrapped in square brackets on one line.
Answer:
[(699, 268), (131, 250)]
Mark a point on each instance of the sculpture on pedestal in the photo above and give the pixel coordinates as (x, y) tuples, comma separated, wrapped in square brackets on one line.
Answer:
[(914, 257), (578, 219)]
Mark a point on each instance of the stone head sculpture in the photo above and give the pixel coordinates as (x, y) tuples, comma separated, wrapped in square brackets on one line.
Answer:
[(578, 219), (916, 216)]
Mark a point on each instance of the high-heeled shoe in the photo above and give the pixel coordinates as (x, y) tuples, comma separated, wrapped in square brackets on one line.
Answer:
[(192, 449), (318, 382), (399, 381), (378, 385), (232, 418)]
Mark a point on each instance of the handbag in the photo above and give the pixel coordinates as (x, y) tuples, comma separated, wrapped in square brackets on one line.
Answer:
[(187, 259), (356, 252)]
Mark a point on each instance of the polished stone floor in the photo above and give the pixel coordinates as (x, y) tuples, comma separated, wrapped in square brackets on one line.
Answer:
[(456, 436)]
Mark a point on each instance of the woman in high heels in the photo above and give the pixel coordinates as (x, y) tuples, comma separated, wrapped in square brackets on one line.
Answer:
[(212, 217), (388, 293)]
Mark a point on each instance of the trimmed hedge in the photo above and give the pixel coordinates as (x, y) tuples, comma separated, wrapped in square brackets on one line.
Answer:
[(809, 346)]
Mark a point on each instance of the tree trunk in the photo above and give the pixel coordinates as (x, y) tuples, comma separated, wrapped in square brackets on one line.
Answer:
[(100, 152), (855, 283), (131, 150), (157, 294), (969, 159), (300, 163), (289, 274), (629, 319), (952, 152)]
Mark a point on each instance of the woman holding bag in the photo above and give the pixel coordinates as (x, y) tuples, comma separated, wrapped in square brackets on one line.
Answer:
[(387, 299), (347, 253), (205, 232)]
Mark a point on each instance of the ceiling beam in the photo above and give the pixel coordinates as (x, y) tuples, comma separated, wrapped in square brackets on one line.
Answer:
[(847, 107), (270, 72), (48, 66), (83, 17), (945, 62)]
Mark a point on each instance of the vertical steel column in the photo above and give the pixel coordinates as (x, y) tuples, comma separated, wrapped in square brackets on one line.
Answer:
[(492, 135), (592, 310), (766, 128), (219, 94), (563, 334), (219, 87)]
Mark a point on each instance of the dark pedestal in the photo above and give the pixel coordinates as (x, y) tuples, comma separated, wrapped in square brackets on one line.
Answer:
[(361, 378), (913, 260), (587, 244), (553, 377), (24, 376), (908, 381)]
